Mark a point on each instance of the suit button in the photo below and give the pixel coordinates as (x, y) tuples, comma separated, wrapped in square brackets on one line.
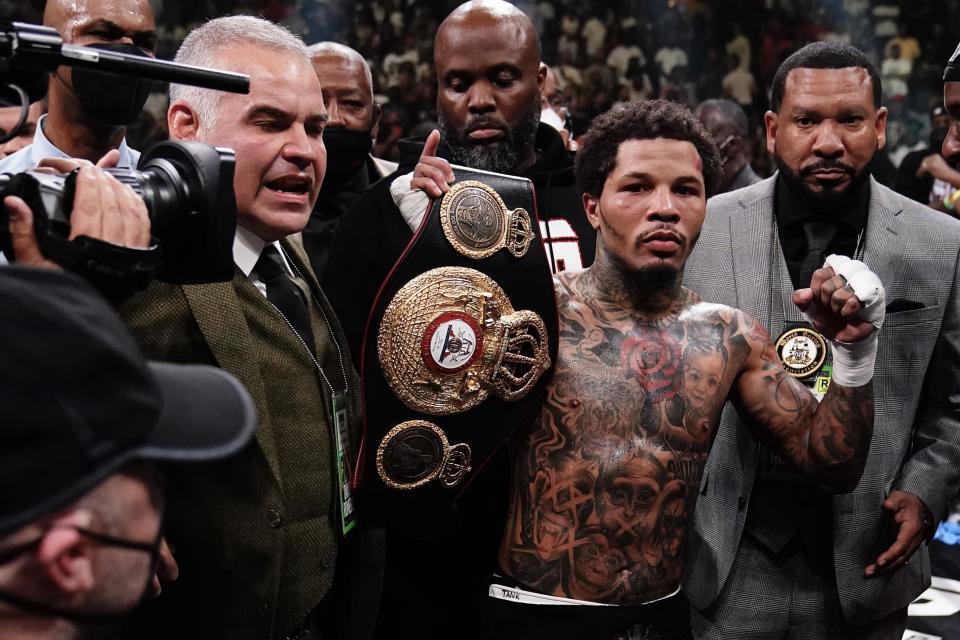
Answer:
[(264, 608), (741, 503), (327, 561), (274, 518)]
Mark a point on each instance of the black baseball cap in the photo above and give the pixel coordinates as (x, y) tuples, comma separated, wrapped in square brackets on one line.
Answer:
[(78, 400), (951, 72)]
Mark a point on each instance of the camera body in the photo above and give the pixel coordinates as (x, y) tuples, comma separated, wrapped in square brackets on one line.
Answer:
[(188, 191)]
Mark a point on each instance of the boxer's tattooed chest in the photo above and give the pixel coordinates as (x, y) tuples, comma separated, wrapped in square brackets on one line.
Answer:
[(604, 485)]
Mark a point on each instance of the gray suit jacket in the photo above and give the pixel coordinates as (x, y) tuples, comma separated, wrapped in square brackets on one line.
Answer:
[(916, 438)]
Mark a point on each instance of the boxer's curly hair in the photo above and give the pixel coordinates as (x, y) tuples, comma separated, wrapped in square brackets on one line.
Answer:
[(644, 120)]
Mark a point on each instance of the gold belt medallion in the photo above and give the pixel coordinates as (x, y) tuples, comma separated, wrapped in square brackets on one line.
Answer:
[(477, 223), (416, 452), (802, 351), (450, 337)]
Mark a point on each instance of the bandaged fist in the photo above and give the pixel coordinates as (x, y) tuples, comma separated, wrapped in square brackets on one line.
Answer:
[(845, 300)]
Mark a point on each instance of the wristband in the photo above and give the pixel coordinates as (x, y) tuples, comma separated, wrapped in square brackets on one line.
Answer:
[(950, 202), (413, 203), (853, 361)]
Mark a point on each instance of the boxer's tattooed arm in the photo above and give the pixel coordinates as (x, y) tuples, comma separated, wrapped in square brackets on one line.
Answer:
[(828, 441)]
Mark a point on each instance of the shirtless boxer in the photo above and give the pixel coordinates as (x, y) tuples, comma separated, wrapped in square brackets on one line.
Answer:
[(606, 478)]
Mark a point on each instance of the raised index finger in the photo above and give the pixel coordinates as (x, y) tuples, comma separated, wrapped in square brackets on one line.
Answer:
[(430, 146)]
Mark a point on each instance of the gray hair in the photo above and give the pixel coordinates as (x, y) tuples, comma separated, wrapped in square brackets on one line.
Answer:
[(201, 45)]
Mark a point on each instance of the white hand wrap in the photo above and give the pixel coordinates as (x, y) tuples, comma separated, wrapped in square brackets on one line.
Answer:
[(853, 361), (865, 284), (413, 203)]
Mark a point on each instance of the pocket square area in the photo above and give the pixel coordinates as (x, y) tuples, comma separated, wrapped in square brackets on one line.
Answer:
[(902, 304)]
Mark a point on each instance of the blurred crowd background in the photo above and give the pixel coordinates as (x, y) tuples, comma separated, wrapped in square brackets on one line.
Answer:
[(606, 52)]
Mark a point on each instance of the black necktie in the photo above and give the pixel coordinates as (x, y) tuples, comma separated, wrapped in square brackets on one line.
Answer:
[(819, 235), (283, 293)]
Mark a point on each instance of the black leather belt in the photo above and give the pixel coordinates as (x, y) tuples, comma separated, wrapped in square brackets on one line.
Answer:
[(457, 345)]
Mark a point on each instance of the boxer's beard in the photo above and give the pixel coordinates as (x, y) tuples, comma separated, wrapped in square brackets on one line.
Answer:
[(502, 156), (827, 200)]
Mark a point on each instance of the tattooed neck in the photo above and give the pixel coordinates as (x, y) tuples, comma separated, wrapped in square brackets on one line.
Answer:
[(652, 293)]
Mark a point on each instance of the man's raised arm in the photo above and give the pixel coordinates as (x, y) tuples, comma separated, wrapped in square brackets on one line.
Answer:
[(828, 441)]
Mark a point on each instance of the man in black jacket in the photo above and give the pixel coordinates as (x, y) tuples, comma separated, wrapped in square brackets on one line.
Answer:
[(354, 117), (487, 59)]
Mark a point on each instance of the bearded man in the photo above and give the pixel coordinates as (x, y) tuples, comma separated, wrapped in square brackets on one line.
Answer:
[(774, 554)]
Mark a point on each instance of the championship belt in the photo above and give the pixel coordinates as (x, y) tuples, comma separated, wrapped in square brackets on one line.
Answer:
[(457, 345)]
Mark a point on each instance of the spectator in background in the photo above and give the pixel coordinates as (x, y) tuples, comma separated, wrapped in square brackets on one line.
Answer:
[(622, 56), (909, 48), (727, 125), (354, 117), (738, 85), (553, 107), (405, 51), (670, 55), (87, 111), (924, 175), (895, 71), (594, 34), (739, 46)]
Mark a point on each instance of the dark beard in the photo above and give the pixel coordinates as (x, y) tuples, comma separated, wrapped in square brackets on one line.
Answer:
[(655, 280), (499, 157), (825, 200)]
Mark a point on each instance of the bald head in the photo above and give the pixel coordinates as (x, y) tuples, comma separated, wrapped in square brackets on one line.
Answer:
[(347, 86), (727, 125), (488, 101), (457, 28), (91, 21), (344, 57)]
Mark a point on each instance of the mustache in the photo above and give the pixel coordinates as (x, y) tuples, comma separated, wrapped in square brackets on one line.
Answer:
[(664, 229), (826, 164)]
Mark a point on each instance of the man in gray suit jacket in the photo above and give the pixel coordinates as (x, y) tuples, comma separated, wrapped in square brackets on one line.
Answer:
[(770, 556)]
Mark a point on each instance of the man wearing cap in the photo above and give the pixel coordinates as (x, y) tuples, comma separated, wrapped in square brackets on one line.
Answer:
[(260, 538), (80, 501)]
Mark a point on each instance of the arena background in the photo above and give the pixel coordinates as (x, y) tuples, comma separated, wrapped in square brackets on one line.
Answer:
[(605, 52)]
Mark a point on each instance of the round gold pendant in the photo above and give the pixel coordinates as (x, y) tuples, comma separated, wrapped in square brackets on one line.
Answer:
[(416, 452), (802, 351)]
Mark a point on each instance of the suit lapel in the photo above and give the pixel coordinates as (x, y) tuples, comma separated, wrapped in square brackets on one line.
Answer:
[(216, 308), (750, 239), (885, 239)]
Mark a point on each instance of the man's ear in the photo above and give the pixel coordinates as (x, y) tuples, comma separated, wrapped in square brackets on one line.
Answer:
[(881, 126), (183, 121), (591, 206), (772, 123), (65, 557), (375, 120)]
